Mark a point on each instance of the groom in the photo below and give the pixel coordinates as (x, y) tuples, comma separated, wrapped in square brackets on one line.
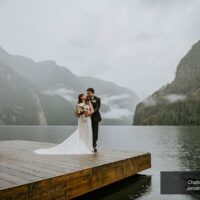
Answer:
[(96, 117)]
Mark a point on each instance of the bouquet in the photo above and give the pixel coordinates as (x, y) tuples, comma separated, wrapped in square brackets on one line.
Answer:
[(80, 109)]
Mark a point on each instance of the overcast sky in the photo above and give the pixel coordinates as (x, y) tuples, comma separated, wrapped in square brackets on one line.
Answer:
[(134, 43)]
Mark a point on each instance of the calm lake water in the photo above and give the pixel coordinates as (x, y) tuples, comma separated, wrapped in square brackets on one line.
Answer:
[(173, 148)]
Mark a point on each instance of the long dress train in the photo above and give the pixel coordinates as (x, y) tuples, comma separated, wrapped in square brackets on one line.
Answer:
[(79, 142)]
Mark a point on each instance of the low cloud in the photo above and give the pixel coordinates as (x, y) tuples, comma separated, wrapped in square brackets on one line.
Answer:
[(171, 98), (111, 99), (69, 95), (111, 102), (150, 101), (175, 97), (115, 111)]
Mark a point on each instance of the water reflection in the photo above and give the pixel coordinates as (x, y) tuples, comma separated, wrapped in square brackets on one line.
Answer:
[(189, 150), (188, 145), (127, 189)]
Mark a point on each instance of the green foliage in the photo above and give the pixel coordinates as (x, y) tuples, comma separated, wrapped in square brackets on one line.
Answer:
[(177, 113)]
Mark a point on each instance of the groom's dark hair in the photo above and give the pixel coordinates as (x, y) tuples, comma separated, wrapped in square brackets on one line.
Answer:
[(90, 90)]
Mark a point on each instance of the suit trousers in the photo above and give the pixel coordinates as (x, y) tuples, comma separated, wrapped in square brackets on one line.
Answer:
[(95, 127)]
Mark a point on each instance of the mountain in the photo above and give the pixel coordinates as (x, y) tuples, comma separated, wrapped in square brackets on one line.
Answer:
[(178, 102), (57, 89), (19, 102)]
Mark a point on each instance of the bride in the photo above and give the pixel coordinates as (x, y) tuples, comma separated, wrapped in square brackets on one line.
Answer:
[(80, 141)]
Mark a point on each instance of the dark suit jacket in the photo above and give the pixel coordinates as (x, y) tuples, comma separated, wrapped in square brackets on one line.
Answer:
[(96, 102)]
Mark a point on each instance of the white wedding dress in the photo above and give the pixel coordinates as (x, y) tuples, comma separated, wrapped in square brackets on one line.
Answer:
[(79, 142)]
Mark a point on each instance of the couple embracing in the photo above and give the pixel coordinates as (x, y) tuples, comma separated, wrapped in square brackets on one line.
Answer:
[(84, 139)]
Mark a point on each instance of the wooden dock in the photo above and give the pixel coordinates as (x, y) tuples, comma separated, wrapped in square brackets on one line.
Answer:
[(26, 175)]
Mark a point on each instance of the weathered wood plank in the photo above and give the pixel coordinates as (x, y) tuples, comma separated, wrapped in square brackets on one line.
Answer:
[(26, 175)]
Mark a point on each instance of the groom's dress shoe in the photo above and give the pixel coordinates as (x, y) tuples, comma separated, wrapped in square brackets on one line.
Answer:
[(95, 150)]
